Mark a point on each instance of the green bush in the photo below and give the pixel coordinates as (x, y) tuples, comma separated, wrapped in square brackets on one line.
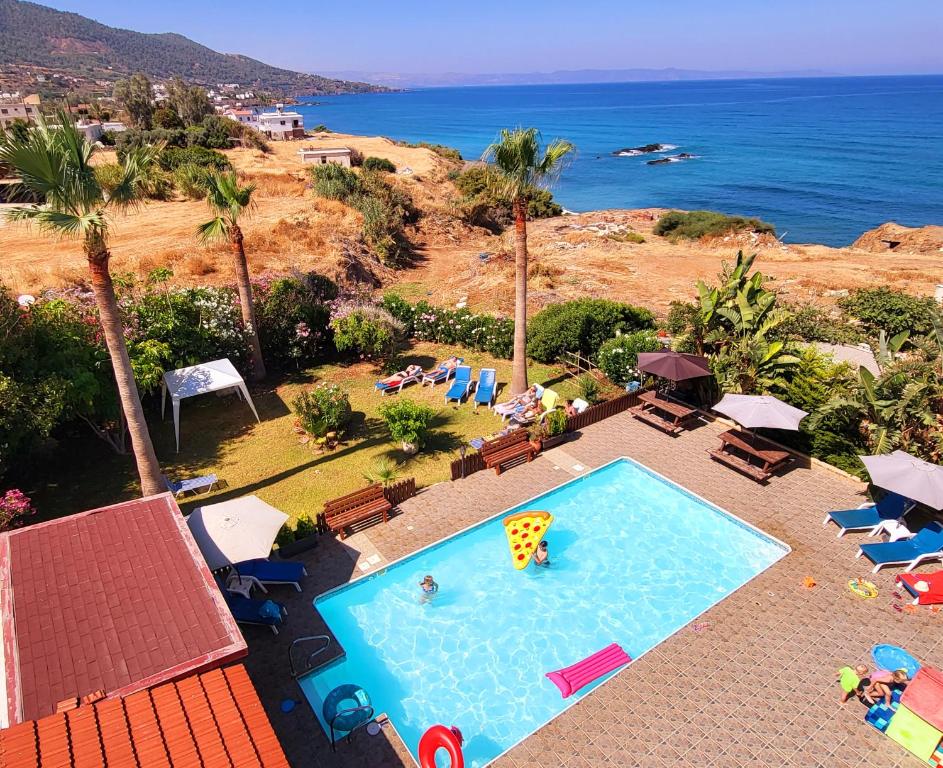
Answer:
[(885, 309), (379, 164), (618, 357), (555, 422), (694, 225), (423, 321), (808, 323), (626, 237), (581, 326), (190, 180), (304, 527), (366, 330), (335, 182), (588, 388), (174, 157), (326, 408), (293, 314), (449, 153), (407, 421)]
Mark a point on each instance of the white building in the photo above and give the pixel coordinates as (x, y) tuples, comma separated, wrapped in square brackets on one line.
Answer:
[(13, 111), (325, 155), (281, 125), (115, 126), (245, 116)]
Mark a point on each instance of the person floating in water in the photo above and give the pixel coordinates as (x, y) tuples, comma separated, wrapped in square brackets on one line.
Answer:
[(542, 555), (429, 588)]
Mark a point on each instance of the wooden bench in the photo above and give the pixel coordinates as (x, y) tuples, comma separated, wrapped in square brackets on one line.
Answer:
[(365, 504), (769, 458), (504, 449), (650, 402)]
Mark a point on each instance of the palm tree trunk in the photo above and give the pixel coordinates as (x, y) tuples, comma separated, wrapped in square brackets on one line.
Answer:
[(245, 300), (519, 366), (144, 456)]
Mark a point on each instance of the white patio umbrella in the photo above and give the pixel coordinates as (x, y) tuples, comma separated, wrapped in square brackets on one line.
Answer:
[(908, 476), (236, 530), (757, 411)]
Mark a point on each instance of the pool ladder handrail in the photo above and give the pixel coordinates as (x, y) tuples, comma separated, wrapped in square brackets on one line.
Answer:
[(307, 662), (368, 708)]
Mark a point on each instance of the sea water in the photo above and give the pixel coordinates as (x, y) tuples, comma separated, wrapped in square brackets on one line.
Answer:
[(633, 559), (824, 159)]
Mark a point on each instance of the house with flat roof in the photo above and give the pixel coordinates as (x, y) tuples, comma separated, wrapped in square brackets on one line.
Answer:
[(12, 111), (114, 600), (325, 155), (282, 124)]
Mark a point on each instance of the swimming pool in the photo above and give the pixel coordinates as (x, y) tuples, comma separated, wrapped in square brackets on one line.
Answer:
[(634, 558)]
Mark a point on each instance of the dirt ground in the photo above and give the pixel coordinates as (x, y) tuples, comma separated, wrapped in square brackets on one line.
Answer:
[(580, 255)]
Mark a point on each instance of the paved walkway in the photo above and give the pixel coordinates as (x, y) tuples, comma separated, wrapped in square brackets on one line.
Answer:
[(753, 687)]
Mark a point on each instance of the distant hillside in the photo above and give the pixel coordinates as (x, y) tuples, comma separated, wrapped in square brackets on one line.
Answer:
[(43, 45)]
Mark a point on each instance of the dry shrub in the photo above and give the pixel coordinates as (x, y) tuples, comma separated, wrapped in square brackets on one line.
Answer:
[(578, 238), (199, 264), (277, 185)]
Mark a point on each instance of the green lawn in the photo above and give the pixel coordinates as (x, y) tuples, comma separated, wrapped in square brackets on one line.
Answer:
[(219, 435)]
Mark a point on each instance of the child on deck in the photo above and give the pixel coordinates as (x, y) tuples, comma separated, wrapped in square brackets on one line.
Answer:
[(881, 682), (852, 681), (429, 588)]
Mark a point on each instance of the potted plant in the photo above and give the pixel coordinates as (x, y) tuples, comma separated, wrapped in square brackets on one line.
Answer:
[(408, 423), (554, 429), (301, 538), (535, 434)]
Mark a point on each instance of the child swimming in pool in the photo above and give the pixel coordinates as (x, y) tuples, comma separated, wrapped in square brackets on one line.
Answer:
[(429, 588), (542, 555)]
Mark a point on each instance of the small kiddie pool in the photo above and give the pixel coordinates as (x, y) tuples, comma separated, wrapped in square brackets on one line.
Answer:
[(634, 558)]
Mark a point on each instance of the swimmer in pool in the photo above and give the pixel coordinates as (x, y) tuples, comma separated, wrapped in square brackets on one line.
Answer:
[(429, 588), (542, 555)]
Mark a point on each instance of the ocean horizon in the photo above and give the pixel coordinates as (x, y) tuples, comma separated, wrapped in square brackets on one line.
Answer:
[(823, 159)]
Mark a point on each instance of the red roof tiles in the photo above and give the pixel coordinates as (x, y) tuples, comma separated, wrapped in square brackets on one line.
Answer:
[(117, 599), (210, 720)]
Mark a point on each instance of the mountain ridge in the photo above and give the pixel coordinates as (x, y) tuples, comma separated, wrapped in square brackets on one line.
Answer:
[(45, 49)]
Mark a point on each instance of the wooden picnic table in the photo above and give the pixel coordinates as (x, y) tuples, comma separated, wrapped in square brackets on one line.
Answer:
[(651, 401), (769, 457)]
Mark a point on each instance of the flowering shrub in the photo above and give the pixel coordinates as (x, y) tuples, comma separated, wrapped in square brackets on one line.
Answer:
[(14, 507), (485, 333), (618, 357), (293, 314), (365, 329), (581, 325), (326, 408)]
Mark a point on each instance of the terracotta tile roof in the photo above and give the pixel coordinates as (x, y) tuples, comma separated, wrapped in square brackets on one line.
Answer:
[(116, 599), (209, 720)]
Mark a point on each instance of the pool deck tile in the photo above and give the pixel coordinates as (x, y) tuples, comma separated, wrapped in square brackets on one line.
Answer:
[(753, 687)]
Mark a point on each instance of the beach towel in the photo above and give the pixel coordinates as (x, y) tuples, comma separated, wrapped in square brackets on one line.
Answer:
[(927, 587), (924, 696)]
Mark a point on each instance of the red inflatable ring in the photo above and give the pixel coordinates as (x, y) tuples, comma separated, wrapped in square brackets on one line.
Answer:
[(440, 737)]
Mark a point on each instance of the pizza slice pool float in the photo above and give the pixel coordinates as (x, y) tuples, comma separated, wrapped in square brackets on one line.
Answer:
[(524, 531)]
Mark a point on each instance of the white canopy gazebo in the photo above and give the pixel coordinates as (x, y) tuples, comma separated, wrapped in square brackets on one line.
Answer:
[(201, 379)]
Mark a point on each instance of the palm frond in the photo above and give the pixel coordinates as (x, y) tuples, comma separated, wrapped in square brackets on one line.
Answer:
[(215, 229)]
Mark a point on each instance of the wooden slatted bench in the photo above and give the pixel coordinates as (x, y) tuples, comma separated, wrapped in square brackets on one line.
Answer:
[(504, 449), (357, 507), (769, 457), (642, 413)]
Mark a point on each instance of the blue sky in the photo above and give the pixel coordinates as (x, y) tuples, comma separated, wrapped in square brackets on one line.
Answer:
[(484, 36)]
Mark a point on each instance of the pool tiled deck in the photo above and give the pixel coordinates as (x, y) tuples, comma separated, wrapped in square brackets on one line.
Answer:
[(754, 686)]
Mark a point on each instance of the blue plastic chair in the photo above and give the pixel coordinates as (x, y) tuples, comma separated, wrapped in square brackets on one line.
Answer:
[(926, 545), (485, 390), (890, 507), (461, 384)]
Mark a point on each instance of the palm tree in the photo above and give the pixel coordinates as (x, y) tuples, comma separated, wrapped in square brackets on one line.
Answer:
[(522, 166), (229, 201), (55, 164)]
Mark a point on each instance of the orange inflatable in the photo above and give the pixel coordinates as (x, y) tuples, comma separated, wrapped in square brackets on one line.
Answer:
[(439, 737), (524, 531)]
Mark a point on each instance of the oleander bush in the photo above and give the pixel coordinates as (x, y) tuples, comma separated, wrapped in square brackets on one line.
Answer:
[(618, 357), (582, 326), (693, 225), (366, 330), (321, 410), (293, 314)]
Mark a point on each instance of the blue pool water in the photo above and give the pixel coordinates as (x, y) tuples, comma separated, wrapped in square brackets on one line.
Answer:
[(823, 159), (634, 559)]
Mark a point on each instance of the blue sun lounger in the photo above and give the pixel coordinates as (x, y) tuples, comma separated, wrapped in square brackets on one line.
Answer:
[(926, 545), (442, 372), (245, 610), (195, 484), (273, 573), (870, 518), (484, 391), (461, 384)]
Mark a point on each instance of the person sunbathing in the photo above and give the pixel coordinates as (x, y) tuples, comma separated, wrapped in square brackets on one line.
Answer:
[(517, 403), (396, 378)]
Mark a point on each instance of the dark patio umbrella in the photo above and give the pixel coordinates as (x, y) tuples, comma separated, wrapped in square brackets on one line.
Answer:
[(908, 476), (674, 366)]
